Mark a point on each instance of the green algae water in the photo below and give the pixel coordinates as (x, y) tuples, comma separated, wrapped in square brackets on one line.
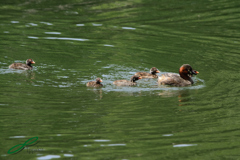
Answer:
[(73, 42)]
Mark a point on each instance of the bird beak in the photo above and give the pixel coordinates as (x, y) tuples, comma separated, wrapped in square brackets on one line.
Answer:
[(157, 71), (195, 72), (139, 77), (33, 62)]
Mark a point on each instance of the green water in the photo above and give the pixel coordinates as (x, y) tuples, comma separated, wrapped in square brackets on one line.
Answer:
[(73, 42)]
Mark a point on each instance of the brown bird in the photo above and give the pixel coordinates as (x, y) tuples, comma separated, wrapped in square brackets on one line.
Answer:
[(181, 79), (26, 66), (152, 74), (96, 83), (126, 82)]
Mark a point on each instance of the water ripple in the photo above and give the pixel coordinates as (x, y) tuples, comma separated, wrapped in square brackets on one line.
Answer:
[(48, 157), (63, 38), (32, 37), (79, 24), (47, 23), (131, 28), (14, 21), (94, 24), (52, 32), (184, 145)]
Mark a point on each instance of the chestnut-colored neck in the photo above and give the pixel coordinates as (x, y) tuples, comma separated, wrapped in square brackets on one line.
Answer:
[(184, 75)]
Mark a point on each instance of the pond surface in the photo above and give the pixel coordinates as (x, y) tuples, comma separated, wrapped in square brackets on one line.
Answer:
[(76, 41)]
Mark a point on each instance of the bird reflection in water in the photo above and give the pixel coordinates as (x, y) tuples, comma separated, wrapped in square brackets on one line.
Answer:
[(30, 75), (183, 96), (98, 93)]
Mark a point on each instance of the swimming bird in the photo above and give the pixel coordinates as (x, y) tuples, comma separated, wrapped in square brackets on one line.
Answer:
[(126, 82), (96, 83), (27, 66), (152, 74), (181, 79)]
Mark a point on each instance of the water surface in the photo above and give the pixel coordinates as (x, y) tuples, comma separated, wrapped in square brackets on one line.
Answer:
[(73, 42)]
